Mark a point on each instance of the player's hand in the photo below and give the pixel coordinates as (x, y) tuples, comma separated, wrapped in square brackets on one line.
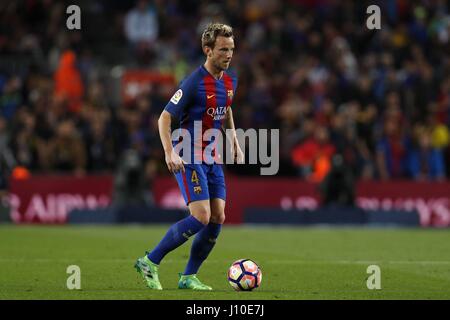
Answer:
[(238, 155), (174, 162)]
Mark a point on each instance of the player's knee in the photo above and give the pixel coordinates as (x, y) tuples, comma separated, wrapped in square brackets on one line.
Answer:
[(203, 219), (219, 218), (202, 215)]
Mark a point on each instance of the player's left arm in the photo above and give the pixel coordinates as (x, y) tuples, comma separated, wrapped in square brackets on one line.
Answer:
[(236, 150)]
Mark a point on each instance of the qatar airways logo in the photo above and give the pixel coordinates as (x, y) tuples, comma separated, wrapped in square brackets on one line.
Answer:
[(217, 113)]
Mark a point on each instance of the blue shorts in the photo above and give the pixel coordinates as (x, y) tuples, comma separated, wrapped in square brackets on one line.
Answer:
[(201, 182)]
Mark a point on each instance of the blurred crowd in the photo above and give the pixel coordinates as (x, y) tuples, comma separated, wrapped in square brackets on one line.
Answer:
[(380, 99)]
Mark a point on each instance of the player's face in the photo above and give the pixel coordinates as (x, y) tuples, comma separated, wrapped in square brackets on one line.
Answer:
[(222, 53)]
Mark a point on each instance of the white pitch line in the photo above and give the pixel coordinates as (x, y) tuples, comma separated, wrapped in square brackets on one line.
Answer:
[(118, 260)]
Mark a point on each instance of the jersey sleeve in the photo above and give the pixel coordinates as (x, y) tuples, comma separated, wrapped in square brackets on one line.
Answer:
[(235, 83), (181, 99)]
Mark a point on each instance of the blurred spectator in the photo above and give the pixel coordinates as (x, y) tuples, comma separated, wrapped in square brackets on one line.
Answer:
[(338, 187), (25, 142), (313, 157), (424, 161), (68, 85), (100, 148), (141, 30), (353, 150), (10, 97), (65, 152), (7, 161), (130, 185), (392, 152)]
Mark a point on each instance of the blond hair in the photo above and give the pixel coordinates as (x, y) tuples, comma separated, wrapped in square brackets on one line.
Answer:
[(214, 30)]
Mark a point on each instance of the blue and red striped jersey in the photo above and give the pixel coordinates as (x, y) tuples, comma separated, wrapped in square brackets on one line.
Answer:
[(200, 97)]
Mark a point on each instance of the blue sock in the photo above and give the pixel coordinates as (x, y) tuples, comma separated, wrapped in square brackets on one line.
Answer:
[(177, 234), (201, 247)]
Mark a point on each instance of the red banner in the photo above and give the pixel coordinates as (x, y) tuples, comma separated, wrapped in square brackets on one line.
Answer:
[(136, 81), (431, 200), (49, 199)]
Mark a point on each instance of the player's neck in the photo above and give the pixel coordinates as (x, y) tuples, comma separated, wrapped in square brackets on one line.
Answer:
[(216, 73)]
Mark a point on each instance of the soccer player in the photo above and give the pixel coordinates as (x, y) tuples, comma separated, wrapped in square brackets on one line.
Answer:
[(205, 96)]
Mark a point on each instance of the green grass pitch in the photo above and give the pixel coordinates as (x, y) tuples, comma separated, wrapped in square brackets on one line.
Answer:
[(297, 263)]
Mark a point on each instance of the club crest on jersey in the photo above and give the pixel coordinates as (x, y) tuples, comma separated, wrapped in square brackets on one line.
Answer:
[(230, 93), (197, 189), (177, 96), (217, 113)]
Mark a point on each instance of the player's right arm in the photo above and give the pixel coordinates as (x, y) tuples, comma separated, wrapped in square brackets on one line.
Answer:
[(173, 160), (174, 109)]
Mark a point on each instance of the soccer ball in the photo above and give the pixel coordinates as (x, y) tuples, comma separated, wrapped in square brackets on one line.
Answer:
[(244, 275)]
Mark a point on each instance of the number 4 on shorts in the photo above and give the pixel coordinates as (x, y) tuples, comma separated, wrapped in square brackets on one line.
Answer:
[(194, 177)]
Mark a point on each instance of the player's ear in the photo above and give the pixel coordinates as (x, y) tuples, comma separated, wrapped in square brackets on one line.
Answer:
[(207, 51)]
